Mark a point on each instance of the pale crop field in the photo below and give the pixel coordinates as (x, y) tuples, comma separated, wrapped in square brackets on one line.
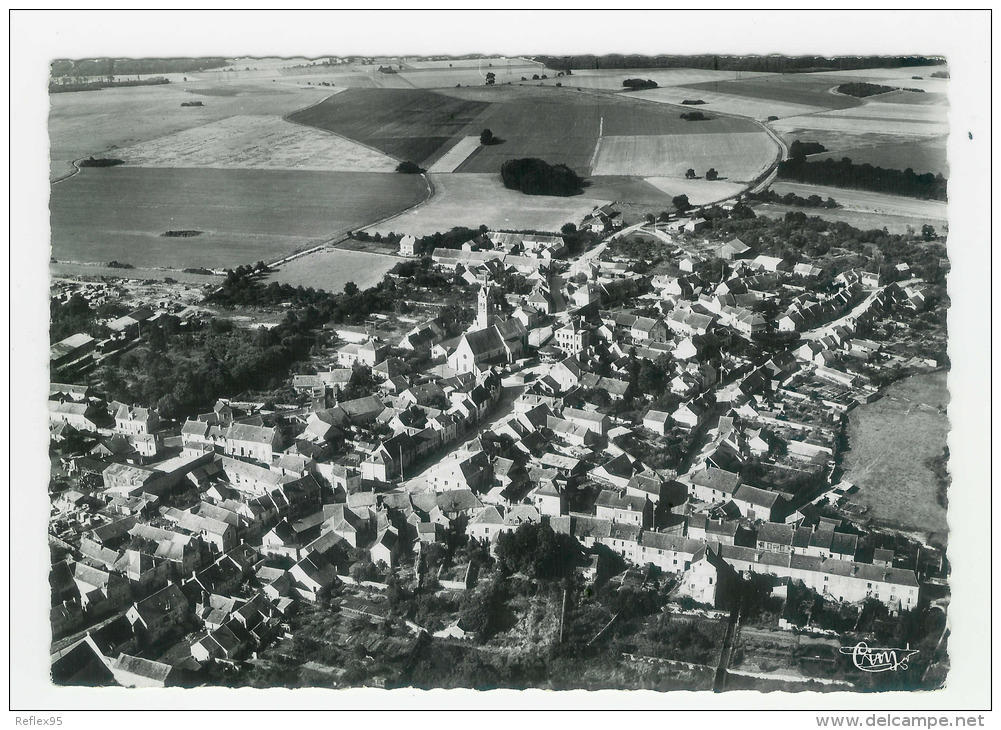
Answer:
[(86, 123), (331, 268), (743, 106), (265, 143), (877, 117), (471, 200), (456, 156), (736, 156), (699, 192)]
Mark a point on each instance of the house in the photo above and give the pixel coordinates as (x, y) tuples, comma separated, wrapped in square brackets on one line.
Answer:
[(656, 421), (312, 577), (547, 499), (616, 472), (591, 420), (775, 537), (80, 416), (757, 504), (368, 353), (133, 671), (710, 580), (646, 486), (734, 249), (408, 246), (100, 591), (700, 527), (252, 442), (648, 329), (693, 414), (136, 421), (670, 553), (714, 485), (157, 615), (574, 337), (619, 506)]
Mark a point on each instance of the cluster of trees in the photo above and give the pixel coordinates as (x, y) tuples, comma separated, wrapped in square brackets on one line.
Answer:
[(813, 201), (66, 85), (100, 162), (77, 315), (862, 89), (638, 84), (799, 150), (771, 63), (131, 66), (536, 551), (533, 176), (694, 117), (845, 174)]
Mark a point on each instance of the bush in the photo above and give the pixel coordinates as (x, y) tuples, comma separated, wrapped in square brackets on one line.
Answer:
[(409, 168), (637, 84), (695, 117)]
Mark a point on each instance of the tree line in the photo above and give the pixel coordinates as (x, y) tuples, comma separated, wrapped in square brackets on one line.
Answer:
[(844, 173), (772, 63)]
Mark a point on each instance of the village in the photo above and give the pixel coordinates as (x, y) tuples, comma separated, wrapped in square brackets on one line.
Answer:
[(683, 424)]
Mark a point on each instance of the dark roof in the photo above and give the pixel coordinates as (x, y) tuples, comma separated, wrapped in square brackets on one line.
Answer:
[(712, 478)]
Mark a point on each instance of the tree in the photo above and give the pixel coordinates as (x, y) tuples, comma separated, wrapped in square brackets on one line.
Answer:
[(490, 78), (928, 233), (681, 203), (409, 168), (690, 173), (649, 217), (711, 174), (487, 137), (568, 229), (664, 216), (351, 289)]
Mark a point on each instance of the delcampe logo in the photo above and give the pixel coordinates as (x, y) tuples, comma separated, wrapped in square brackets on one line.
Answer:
[(878, 659)]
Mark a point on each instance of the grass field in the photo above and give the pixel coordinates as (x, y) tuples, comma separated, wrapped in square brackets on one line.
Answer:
[(257, 142), (88, 123), (890, 442), (408, 124), (866, 202), (905, 120), (624, 188), (737, 157), (330, 269), (806, 89), (474, 200), (611, 79), (120, 213)]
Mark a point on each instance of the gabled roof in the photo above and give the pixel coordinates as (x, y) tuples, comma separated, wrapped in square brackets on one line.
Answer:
[(712, 478)]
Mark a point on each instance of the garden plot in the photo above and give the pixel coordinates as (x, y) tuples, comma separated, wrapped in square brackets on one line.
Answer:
[(266, 143)]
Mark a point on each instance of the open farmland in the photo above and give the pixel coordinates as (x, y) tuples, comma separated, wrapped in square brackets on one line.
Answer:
[(699, 192), (738, 157), (120, 214), (906, 120), (331, 268), (889, 462), (456, 155), (408, 124), (611, 79), (86, 123), (473, 200), (742, 106), (245, 142), (806, 89)]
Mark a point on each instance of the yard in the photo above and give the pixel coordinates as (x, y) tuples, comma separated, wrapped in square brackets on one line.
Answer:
[(891, 442)]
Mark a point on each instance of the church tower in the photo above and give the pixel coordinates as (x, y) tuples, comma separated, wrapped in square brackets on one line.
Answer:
[(485, 307)]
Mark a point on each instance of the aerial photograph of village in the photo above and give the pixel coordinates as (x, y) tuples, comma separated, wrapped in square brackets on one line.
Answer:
[(479, 371)]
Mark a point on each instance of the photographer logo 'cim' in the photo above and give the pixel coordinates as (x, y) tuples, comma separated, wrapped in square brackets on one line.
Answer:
[(876, 659)]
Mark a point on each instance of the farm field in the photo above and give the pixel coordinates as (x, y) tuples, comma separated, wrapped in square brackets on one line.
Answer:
[(864, 201), (120, 214), (738, 157), (908, 120), (890, 441), (699, 192), (611, 79), (473, 200), (902, 77), (921, 156), (555, 125), (407, 124), (456, 155), (331, 268), (743, 106), (86, 123), (619, 188), (257, 142), (806, 89)]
